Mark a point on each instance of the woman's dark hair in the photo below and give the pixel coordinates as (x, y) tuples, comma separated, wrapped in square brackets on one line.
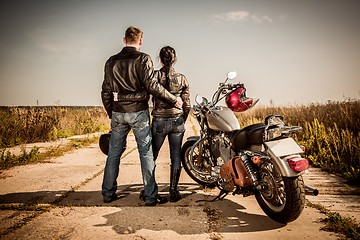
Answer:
[(167, 57)]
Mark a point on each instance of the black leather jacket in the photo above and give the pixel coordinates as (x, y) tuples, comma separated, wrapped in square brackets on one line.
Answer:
[(178, 86), (130, 75)]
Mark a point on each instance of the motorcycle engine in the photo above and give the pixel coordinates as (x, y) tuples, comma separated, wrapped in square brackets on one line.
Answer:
[(222, 153), (221, 150)]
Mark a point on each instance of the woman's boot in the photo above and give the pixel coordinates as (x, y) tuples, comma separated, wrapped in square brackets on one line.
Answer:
[(174, 180)]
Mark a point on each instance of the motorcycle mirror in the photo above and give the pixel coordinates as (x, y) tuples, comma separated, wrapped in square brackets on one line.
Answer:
[(231, 75), (200, 100)]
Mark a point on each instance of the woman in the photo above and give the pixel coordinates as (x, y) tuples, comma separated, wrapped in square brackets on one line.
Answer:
[(169, 120)]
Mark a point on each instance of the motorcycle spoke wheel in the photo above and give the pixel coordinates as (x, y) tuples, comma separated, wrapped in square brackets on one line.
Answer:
[(197, 166), (273, 187), (198, 161)]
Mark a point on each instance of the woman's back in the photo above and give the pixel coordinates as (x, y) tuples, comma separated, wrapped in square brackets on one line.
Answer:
[(177, 84)]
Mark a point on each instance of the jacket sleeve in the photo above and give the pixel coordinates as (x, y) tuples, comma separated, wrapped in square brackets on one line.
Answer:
[(150, 83), (185, 96), (106, 92)]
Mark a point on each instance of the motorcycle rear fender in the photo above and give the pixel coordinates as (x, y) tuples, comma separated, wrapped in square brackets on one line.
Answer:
[(279, 151)]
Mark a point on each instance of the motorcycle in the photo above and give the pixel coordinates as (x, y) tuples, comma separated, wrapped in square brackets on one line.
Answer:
[(261, 159)]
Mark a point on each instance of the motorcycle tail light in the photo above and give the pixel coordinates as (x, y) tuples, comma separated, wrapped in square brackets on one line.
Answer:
[(298, 164)]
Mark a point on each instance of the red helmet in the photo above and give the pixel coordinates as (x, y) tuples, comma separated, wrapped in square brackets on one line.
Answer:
[(238, 102)]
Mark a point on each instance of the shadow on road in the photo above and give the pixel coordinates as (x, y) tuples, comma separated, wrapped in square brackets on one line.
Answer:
[(184, 217)]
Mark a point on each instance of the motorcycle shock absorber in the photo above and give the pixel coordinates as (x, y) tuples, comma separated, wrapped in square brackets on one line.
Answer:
[(249, 168)]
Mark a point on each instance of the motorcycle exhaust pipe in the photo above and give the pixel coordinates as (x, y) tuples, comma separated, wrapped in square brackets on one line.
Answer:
[(314, 191)]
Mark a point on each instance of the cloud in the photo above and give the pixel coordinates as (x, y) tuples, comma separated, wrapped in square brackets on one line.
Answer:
[(241, 16)]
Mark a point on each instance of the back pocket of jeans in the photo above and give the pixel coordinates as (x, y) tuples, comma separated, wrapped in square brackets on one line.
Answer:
[(158, 127), (179, 125)]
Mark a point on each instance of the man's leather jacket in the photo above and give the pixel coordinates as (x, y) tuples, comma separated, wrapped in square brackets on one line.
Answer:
[(178, 85), (128, 80)]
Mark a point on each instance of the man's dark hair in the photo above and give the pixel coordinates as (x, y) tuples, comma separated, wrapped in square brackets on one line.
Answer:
[(133, 34)]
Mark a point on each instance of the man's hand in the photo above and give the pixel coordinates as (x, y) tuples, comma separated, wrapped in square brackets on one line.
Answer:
[(179, 102)]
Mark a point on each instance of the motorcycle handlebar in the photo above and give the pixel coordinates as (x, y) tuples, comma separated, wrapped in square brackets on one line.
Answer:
[(230, 85), (223, 88)]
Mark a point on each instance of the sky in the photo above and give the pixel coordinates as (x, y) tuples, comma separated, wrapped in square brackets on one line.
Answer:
[(286, 52)]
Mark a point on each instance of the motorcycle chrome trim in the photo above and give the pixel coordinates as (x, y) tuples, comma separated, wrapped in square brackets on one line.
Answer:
[(276, 128)]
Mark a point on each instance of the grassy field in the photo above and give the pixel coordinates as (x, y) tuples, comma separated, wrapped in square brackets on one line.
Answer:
[(331, 133), (19, 125)]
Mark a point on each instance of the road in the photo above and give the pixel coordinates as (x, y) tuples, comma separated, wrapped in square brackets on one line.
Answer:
[(70, 187)]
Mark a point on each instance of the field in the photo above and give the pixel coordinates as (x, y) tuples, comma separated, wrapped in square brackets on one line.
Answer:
[(331, 132), (19, 125)]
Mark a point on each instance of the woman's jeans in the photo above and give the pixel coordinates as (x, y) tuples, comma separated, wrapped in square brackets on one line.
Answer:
[(174, 128), (121, 123)]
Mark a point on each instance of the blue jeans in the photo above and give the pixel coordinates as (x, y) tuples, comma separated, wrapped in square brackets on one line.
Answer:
[(174, 128), (121, 123)]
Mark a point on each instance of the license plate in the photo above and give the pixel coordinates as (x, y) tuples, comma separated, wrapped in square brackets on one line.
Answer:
[(284, 147)]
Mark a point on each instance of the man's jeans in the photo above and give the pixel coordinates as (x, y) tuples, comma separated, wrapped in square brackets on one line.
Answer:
[(121, 123), (173, 128)]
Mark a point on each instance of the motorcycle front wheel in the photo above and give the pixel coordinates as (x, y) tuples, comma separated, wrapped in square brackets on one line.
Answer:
[(281, 198), (197, 166)]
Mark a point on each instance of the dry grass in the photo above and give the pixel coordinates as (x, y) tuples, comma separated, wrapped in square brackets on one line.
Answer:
[(334, 222), (20, 125)]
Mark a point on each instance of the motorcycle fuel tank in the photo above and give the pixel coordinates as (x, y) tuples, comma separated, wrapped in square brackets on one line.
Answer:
[(222, 119)]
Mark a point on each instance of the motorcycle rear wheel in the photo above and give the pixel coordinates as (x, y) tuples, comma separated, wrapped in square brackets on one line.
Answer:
[(282, 198), (203, 179)]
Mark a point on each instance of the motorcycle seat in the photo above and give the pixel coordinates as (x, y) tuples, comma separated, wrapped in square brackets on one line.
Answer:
[(252, 134)]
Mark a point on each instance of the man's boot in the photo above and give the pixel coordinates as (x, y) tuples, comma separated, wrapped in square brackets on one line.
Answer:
[(174, 180)]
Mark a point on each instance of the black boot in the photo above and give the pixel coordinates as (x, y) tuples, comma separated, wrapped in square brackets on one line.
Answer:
[(174, 180), (159, 199)]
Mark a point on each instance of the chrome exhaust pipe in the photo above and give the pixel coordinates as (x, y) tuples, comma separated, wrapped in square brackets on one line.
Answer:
[(314, 191)]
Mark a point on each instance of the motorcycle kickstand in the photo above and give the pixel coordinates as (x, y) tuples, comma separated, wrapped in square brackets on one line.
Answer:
[(221, 196)]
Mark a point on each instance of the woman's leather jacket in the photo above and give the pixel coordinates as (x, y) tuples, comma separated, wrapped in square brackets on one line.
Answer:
[(176, 84)]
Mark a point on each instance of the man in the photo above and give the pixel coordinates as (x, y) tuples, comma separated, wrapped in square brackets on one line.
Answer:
[(125, 92)]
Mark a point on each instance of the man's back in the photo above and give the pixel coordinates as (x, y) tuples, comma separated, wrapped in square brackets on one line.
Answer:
[(125, 75)]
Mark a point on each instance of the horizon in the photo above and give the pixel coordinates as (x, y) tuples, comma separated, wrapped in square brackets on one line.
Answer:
[(346, 100)]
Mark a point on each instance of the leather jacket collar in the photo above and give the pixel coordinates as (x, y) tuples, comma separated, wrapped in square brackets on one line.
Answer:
[(129, 49)]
